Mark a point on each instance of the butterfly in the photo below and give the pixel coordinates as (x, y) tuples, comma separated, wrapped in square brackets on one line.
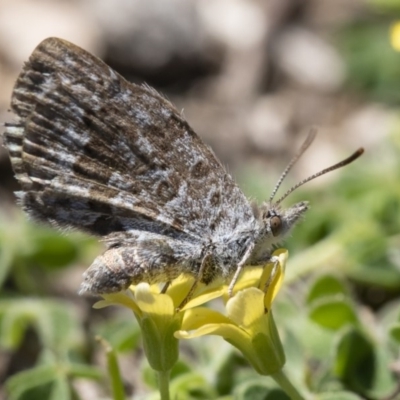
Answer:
[(95, 152)]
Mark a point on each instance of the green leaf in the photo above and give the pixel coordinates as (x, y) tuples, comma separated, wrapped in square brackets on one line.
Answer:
[(259, 389), (326, 285), (338, 396), (54, 321), (6, 259), (14, 242), (191, 385), (24, 381), (363, 366), (333, 313), (52, 250), (78, 370), (123, 334), (60, 389), (395, 332)]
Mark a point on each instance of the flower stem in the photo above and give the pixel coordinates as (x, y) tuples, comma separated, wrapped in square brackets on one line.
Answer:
[(282, 380), (163, 382), (114, 374)]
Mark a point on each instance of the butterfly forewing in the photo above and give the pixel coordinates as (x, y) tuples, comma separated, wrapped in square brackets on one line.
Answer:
[(95, 152)]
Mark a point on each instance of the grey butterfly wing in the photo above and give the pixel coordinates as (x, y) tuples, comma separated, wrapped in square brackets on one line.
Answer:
[(98, 153)]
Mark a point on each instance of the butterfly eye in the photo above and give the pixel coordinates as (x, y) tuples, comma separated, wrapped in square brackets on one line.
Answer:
[(276, 225)]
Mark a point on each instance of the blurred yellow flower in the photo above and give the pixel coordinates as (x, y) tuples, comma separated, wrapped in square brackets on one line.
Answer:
[(395, 36)]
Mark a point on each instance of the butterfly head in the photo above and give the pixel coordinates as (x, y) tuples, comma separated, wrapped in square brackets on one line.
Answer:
[(275, 224)]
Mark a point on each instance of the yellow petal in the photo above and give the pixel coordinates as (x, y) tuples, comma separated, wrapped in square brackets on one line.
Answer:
[(115, 299), (153, 303), (200, 316), (249, 277), (181, 286), (157, 307), (273, 276), (229, 332), (206, 295), (246, 308)]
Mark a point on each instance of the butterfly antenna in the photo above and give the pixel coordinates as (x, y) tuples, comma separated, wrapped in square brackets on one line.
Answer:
[(340, 164), (309, 139)]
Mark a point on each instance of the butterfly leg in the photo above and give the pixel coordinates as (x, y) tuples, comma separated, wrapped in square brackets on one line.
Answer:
[(275, 261), (198, 277), (165, 287), (239, 268)]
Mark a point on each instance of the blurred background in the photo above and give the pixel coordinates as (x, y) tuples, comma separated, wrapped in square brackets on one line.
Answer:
[(252, 77)]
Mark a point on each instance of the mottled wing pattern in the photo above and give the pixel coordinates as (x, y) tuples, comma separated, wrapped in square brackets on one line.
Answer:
[(98, 153)]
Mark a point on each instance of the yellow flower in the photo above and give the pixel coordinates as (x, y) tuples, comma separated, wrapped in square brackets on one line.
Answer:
[(158, 315), (248, 324), (395, 36)]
